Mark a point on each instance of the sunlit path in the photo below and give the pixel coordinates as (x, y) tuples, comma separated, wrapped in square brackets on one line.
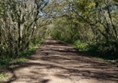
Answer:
[(58, 41), (55, 62)]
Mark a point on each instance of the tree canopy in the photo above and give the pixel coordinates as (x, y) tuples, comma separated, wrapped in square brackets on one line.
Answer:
[(23, 22)]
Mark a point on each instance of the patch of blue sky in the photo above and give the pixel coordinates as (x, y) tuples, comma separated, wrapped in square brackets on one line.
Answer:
[(46, 1), (41, 14)]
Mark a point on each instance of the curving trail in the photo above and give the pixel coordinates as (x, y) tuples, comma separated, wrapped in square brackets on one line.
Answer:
[(55, 62)]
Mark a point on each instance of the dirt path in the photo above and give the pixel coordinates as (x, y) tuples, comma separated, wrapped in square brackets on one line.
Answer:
[(55, 62)]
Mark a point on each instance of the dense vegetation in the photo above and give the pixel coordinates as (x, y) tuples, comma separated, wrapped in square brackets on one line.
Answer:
[(19, 26), (91, 25)]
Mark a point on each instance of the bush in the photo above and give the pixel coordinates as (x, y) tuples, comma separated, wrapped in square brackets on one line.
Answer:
[(81, 46)]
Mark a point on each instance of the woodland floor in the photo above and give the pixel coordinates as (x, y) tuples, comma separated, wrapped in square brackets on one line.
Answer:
[(55, 62)]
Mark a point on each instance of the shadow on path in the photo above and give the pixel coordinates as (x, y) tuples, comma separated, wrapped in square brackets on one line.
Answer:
[(55, 62)]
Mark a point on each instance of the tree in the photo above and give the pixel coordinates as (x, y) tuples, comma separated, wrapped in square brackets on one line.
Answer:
[(99, 17), (19, 19)]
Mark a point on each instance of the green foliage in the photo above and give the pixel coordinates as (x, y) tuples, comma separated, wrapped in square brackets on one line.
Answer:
[(93, 23), (18, 61), (3, 76), (7, 61), (19, 27), (80, 46), (4, 62)]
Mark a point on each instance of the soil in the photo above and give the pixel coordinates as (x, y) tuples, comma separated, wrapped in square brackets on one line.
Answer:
[(55, 62)]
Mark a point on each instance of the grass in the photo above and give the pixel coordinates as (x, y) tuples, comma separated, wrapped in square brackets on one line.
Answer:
[(19, 61), (6, 62), (3, 77), (80, 46), (95, 51)]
